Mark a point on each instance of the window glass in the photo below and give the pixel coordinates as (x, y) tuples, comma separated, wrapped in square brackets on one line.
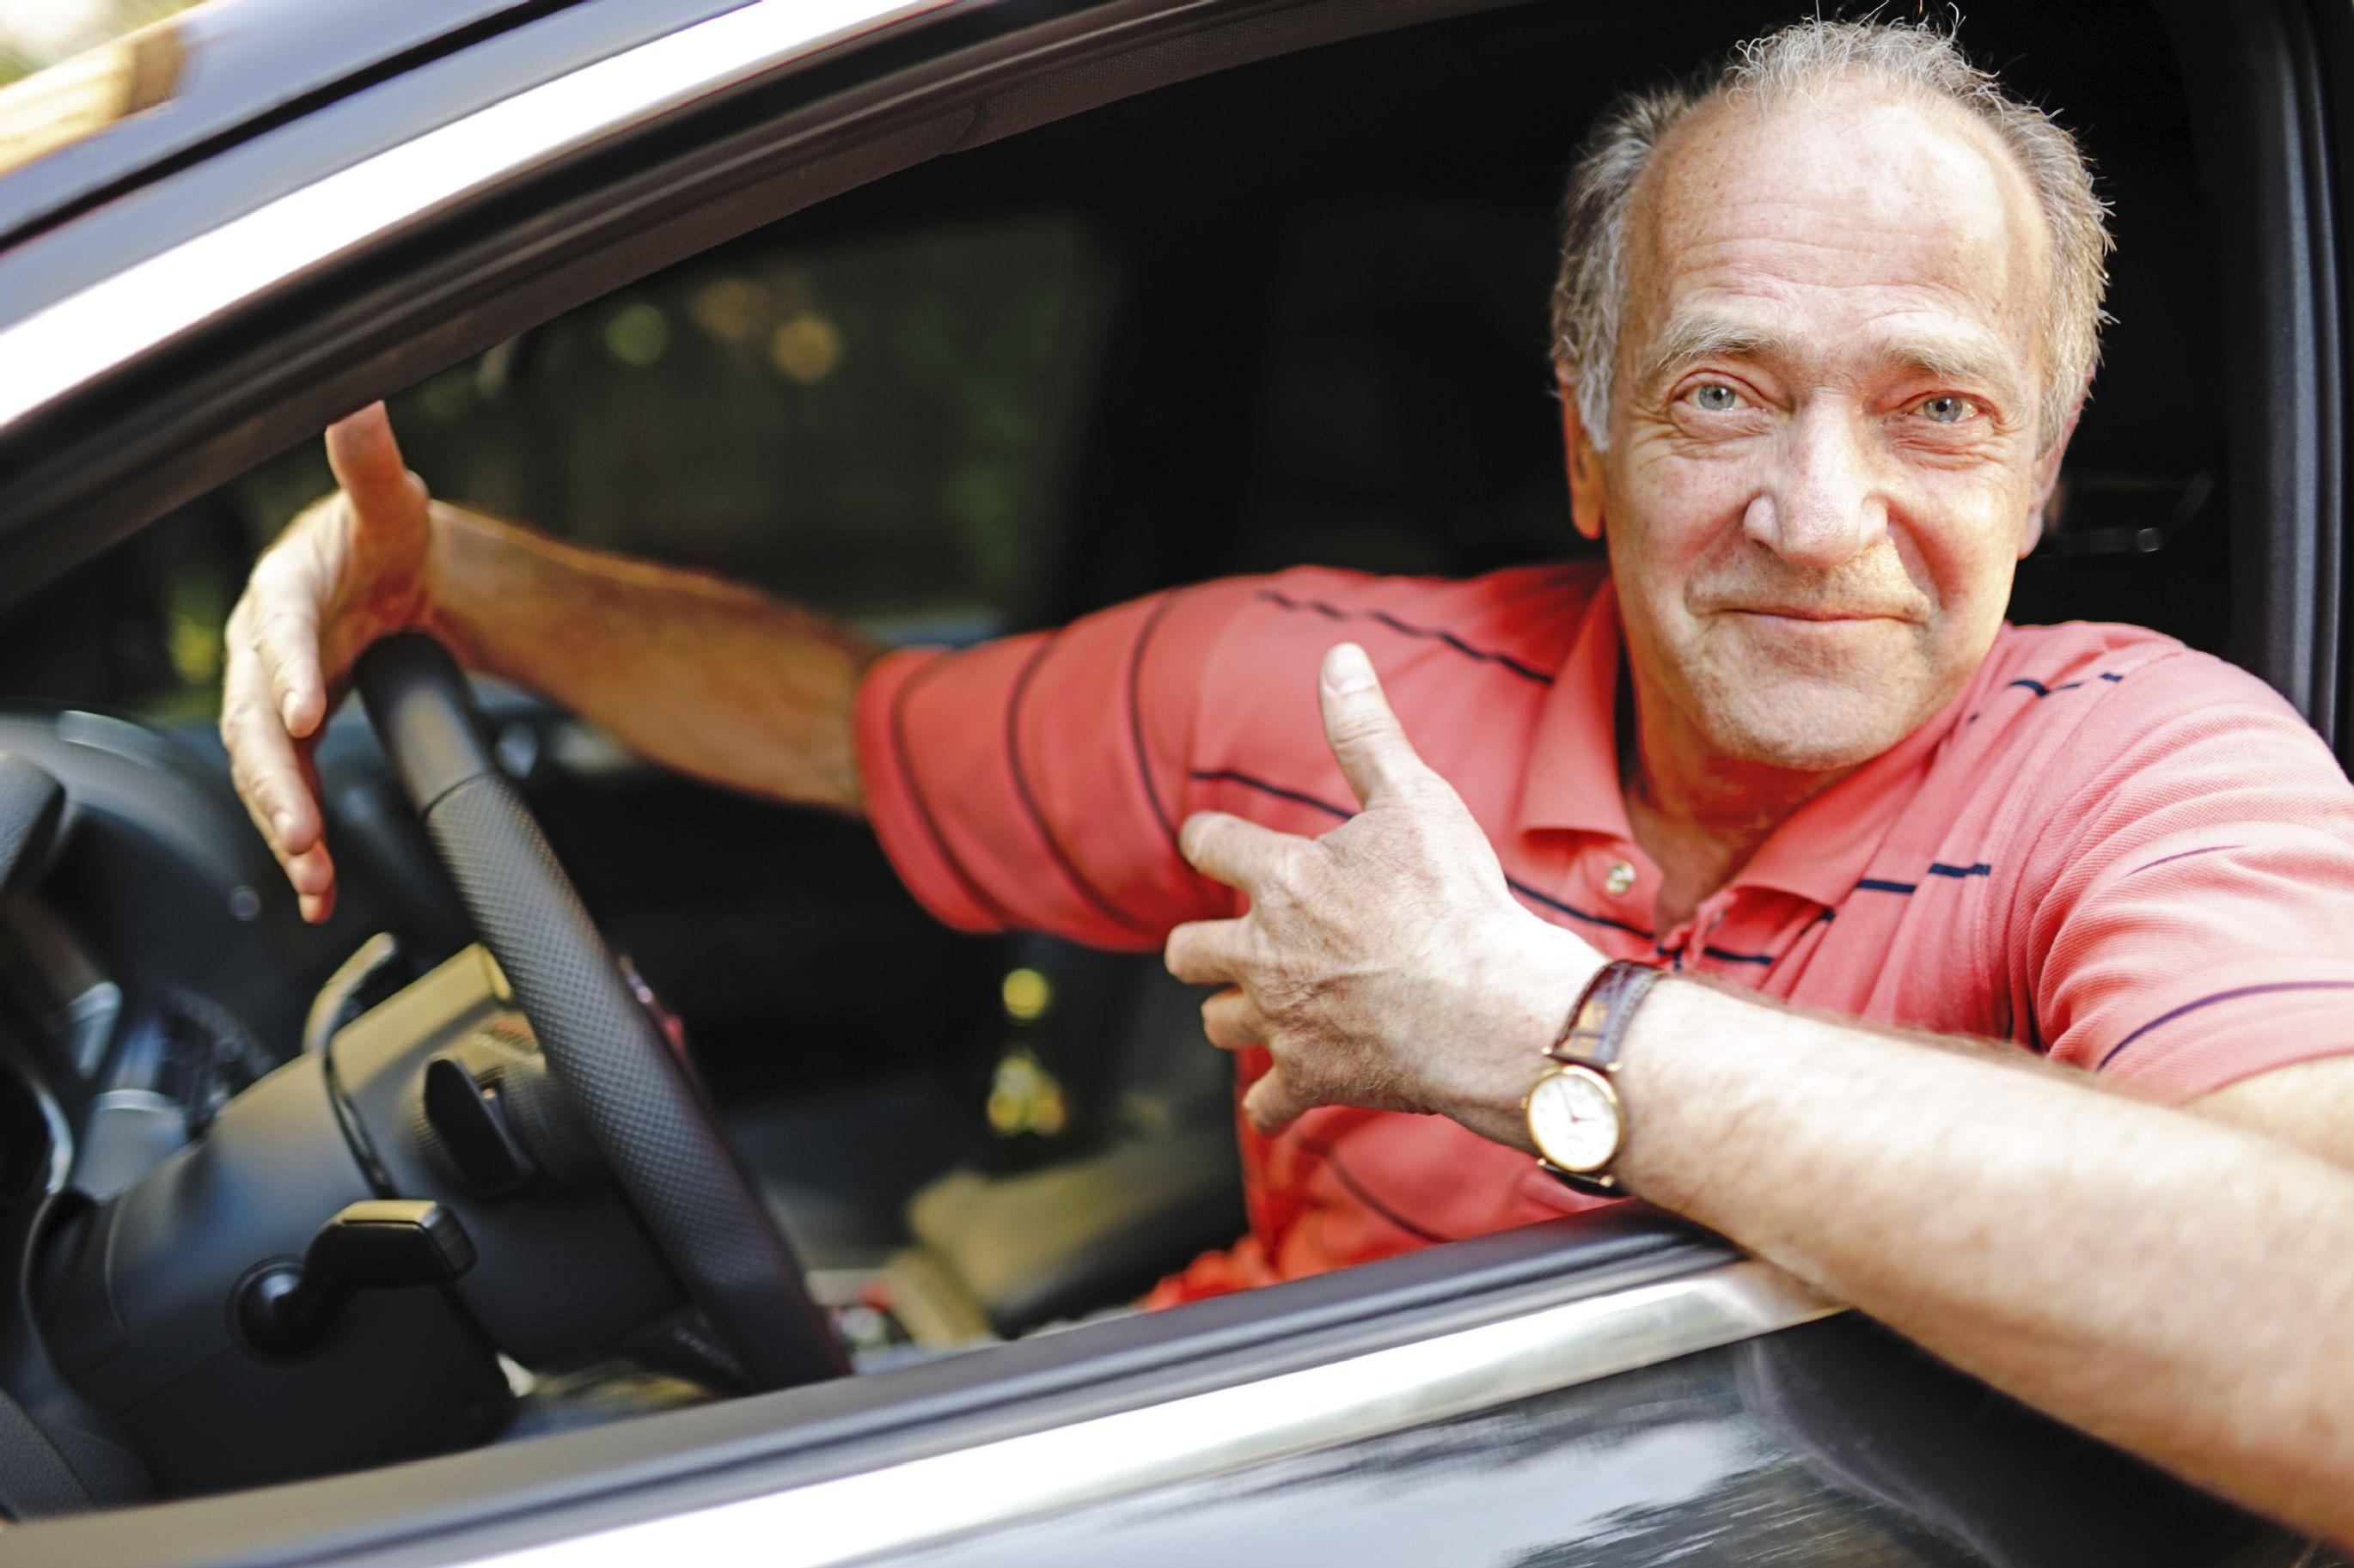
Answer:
[(880, 427), (883, 427)]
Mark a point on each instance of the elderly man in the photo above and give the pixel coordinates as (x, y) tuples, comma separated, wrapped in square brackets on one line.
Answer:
[(1672, 847)]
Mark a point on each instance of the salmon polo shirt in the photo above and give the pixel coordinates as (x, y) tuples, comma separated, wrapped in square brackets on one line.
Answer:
[(2125, 855)]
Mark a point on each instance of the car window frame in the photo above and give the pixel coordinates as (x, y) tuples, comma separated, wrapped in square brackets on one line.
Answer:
[(1494, 1317), (421, 295)]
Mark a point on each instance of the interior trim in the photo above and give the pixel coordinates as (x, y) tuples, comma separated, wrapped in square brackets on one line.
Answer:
[(904, 1507), (105, 326), (2257, 84)]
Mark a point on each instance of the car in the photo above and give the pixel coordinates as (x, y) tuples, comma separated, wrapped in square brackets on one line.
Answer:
[(425, 1237)]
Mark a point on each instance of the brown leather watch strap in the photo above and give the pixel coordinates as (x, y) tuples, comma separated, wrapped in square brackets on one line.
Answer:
[(1596, 1027)]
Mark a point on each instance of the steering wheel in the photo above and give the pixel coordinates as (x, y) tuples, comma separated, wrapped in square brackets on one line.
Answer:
[(647, 1117)]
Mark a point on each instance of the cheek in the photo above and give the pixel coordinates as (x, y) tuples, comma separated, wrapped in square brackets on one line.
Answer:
[(1964, 562), (1967, 550), (1678, 518)]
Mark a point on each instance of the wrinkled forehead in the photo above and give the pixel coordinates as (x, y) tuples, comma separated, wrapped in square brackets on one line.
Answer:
[(1835, 218)]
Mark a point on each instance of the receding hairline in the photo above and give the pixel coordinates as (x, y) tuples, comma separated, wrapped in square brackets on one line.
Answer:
[(1722, 333)]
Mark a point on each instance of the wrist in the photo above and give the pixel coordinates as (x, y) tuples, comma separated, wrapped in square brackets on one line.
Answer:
[(466, 566), (1665, 1064), (1540, 977)]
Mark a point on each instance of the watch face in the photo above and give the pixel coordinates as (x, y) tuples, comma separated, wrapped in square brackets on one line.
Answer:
[(1574, 1119)]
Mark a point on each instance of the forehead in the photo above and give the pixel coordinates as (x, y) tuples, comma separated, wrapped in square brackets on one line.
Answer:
[(1837, 216)]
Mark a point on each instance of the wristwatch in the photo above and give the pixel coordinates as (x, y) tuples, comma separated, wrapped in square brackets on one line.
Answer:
[(1573, 1115)]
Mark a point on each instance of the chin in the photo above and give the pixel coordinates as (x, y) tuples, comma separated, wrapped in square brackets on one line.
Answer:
[(1809, 727)]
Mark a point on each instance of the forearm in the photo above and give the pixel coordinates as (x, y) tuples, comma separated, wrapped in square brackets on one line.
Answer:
[(2174, 1285), (705, 676)]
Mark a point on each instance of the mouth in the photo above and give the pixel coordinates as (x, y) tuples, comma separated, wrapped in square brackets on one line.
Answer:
[(1807, 613)]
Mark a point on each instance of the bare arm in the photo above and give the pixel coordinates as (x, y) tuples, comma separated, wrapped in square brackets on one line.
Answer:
[(2180, 1287), (704, 675), (711, 678), (2169, 1282)]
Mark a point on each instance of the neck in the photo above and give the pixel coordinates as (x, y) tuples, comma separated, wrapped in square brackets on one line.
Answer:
[(1699, 814)]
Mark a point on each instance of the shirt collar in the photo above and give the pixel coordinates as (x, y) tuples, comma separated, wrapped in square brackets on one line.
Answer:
[(1572, 783)]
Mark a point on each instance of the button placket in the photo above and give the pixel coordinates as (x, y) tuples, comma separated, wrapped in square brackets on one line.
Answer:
[(1692, 938)]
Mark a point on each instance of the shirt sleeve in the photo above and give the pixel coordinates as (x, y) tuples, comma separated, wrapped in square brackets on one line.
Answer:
[(2194, 923), (1036, 782)]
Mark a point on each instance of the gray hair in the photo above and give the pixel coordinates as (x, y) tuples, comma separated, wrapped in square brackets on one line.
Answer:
[(1589, 298)]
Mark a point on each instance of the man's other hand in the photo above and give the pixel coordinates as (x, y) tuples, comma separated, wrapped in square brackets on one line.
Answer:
[(1385, 964), (349, 569)]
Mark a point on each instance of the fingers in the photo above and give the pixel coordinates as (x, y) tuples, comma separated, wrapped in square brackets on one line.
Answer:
[(284, 641), (1231, 1021), (366, 457), (1241, 854), (279, 795), (261, 753), (1205, 952), (272, 777), (313, 872), (1272, 1105), (1365, 734), (274, 691)]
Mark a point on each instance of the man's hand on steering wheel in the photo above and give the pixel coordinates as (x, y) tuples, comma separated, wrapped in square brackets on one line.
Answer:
[(352, 567)]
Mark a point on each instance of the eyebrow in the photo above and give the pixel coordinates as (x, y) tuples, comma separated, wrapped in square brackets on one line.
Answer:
[(1954, 360), (1689, 337)]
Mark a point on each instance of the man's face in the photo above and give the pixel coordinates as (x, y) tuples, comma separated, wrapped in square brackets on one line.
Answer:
[(1822, 463)]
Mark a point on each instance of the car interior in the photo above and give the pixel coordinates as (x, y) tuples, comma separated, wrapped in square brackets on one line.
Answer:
[(1290, 312)]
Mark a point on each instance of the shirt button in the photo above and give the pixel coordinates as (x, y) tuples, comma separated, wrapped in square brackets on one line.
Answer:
[(1619, 878)]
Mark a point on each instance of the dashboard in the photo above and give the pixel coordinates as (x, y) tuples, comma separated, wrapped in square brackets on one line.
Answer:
[(151, 965)]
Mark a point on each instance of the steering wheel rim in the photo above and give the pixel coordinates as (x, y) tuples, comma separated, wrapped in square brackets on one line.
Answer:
[(656, 1131)]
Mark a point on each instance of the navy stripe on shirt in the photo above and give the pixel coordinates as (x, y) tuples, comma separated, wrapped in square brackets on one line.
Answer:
[(2040, 690), (1383, 617), (2168, 1017), (1136, 710), (2186, 854), (1079, 879), (973, 890), (1341, 1172)]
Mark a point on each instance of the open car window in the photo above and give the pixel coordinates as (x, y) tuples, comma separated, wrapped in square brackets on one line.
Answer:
[(1191, 332), (887, 427)]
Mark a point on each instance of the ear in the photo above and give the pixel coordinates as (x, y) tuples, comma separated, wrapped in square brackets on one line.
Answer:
[(1586, 481), (2047, 480)]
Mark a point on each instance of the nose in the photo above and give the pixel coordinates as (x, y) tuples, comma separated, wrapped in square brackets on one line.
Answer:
[(1822, 505)]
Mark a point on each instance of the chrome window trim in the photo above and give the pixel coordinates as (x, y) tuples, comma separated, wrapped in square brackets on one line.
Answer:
[(87, 335), (920, 1503)]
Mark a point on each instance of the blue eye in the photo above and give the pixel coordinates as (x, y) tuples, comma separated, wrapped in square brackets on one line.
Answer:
[(1716, 397), (1946, 411)]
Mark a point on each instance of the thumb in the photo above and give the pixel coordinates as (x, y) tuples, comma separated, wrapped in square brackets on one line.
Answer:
[(1271, 1105), (1366, 736), (365, 458)]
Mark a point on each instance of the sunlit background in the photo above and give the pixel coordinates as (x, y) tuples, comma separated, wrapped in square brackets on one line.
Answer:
[(37, 34)]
